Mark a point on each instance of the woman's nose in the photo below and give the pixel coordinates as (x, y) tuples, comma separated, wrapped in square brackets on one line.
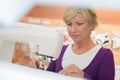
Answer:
[(74, 28)]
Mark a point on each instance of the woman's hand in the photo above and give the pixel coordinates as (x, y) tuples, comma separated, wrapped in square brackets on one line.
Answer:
[(35, 61), (72, 70)]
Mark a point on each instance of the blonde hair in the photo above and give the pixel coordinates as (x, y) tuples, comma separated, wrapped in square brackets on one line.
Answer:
[(88, 14)]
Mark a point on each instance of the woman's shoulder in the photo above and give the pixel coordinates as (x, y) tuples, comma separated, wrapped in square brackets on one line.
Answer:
[(103, 55), (64, 47), (105, 52)]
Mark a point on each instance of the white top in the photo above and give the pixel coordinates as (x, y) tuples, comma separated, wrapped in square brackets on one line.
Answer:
[(82, 61)]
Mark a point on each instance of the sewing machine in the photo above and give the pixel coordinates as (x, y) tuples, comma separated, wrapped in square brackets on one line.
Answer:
[(43, 41)]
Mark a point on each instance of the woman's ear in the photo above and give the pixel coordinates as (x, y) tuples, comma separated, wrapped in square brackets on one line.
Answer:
[(91, 28)]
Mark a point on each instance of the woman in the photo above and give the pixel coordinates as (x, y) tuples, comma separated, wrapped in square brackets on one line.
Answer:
[(83, 58)]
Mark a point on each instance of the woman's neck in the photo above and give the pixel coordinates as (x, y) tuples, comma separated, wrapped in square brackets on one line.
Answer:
[(83, 46)]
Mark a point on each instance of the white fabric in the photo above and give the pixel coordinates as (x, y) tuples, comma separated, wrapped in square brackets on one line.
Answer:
[(82, 61)]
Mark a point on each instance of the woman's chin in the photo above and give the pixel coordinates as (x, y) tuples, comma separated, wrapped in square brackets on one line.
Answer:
[(76, 40)]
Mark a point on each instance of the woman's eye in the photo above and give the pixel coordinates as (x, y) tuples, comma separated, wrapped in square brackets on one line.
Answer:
[(69, 24), (79, 23)]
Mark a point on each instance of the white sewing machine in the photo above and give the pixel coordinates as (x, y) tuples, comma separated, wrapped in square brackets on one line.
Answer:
[(48, 40)]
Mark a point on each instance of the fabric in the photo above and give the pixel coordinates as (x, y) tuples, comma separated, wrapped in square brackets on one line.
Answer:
[(101, 67)]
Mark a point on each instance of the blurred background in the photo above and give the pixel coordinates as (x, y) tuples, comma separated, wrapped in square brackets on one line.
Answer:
[(48, 13)]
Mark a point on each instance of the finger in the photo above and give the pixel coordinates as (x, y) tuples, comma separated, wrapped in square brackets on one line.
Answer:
[(61, 72), (71, 74), (64, 72)]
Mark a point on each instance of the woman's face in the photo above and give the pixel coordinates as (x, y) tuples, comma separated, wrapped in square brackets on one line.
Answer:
[(78, 28)]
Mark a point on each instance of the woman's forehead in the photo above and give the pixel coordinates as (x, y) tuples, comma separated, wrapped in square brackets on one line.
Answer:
[(77, 17)]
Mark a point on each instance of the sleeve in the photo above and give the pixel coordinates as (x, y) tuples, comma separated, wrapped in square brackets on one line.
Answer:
[(52, 66), (107, 68), (87, 76)]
